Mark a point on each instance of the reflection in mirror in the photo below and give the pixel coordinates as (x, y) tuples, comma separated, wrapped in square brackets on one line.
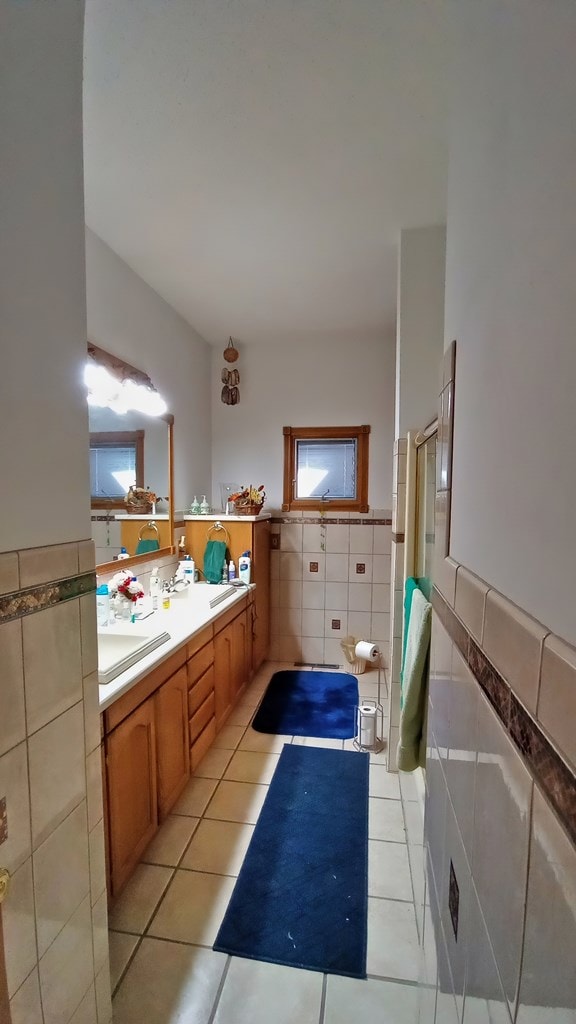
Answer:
[(129, 447), (124, 449)]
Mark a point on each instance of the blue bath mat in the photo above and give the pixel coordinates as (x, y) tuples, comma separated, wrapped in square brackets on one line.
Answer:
[(302, 893), (304, 703)]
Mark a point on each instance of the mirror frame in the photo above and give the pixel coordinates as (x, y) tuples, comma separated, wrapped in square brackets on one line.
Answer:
[(116, 565)]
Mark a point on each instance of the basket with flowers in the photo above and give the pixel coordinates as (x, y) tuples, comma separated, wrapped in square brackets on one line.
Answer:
[(140, 500), (249, 500)]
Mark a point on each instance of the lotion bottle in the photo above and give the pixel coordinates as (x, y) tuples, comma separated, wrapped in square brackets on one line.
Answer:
[(231, 570)]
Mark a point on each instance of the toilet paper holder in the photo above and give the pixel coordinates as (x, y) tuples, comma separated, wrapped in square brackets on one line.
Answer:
[(369, 714)]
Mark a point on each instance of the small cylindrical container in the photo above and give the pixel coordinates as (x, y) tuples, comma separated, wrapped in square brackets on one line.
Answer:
[(123, 553), (231, 570), (165, 596), (189, 570)]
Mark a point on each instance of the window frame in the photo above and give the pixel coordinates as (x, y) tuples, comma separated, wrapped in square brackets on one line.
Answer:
[(361, 434), (118, 439)]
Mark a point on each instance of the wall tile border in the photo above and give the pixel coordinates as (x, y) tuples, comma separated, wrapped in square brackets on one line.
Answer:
[(556, 779), (45, 595), (331, 521)]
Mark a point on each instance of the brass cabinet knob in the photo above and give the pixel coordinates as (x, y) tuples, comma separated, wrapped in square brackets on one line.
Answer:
[(4, 884)]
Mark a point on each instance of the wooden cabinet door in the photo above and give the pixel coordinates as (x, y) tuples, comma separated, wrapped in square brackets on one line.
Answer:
[(261, 577), (223, 674), (172, 747), (241, 665), (131, 785)]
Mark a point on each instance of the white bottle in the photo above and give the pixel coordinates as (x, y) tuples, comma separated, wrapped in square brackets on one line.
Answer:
[(189, 569), (244, 567), (231, 570), (154, 587)]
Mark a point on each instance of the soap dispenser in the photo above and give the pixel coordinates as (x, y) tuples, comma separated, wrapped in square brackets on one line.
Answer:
[(195, 507), (204, 506)]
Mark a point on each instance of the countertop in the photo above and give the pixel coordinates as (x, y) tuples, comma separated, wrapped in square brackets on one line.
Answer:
[(189, 612)]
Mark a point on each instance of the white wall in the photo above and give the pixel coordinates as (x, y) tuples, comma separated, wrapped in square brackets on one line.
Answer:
[(511, 302), (43, 454), (129, 319), (420, 326), (333, 381)]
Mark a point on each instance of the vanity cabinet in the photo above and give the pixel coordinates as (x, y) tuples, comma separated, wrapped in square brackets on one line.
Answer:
[(159, 731), (243, 535)]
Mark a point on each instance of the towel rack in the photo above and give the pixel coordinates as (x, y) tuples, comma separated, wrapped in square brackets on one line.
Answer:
[(218, 526), (149, 526)]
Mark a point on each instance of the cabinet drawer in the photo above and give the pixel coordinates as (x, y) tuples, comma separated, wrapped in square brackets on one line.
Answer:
[(197, 695), (203, 637), (199, 663), (202, 744), (201, 717)]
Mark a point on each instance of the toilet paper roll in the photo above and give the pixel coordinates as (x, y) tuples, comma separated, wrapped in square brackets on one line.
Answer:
[(367, 723), (369, 652)]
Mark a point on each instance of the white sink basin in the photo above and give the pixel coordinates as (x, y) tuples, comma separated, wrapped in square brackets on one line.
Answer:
[(118, 651)]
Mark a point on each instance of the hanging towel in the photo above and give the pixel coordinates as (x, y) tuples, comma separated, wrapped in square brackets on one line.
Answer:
[(410, 586), (214, 558), (146, 545), (412, 744)]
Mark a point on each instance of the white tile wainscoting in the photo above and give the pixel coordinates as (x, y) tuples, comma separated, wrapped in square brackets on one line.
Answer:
[(330, 577)]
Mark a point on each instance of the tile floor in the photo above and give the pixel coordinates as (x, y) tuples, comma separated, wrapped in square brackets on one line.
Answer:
[(162, 928)]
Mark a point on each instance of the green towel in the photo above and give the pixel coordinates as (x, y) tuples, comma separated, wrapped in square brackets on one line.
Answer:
[(144, 546), (412, 743), (214, 558), (411, 585)]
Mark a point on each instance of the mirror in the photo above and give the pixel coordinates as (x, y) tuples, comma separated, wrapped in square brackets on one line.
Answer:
[(152, 438)]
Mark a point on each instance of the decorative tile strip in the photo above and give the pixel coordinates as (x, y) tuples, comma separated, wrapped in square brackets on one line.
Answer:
[(45, 595), (330, 521), (556, 779), (554, 776)]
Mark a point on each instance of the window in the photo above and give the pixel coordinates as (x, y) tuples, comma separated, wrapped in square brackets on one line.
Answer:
[(326, 465), (116, 462)]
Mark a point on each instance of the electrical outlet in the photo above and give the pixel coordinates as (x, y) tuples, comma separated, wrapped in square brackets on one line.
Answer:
[(313, 566), (453, 900), (3, 821), (335, 623), (360, 568)]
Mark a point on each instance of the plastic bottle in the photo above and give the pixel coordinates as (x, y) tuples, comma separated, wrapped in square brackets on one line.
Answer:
[(224, 573), (195, 507), (123, 553), (165, 595), (204, 506), (244, 567), (102, 605), (154, 587), (182, 546), (189, 569), (231, 570)]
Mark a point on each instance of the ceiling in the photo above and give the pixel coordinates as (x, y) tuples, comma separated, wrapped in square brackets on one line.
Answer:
[(254, 160)]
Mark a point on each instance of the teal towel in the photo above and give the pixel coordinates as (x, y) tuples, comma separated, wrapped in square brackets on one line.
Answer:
[(411, 585), (412, 743), (144, 546), (214, 558)]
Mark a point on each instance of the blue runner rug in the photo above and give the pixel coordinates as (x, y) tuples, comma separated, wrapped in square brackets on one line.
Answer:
[(302, 893), (304, 703)]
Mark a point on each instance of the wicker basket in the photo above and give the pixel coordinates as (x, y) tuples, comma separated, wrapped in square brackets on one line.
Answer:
[(248, 510), (141, 509)]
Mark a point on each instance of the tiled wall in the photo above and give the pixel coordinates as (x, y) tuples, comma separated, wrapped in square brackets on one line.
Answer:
[(500, 825), (106, 534), (55, 917), (330, 577)]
